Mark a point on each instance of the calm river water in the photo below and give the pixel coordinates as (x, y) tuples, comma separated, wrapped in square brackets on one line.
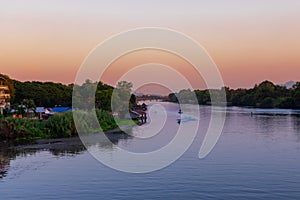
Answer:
[(257, 157)]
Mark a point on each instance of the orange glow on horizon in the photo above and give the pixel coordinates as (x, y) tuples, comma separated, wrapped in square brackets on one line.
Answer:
[(249, 41)]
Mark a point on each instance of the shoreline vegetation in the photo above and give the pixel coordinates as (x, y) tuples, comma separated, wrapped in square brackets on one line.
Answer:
[(25, 97), (57, 126), (29, 95), (264, 95)]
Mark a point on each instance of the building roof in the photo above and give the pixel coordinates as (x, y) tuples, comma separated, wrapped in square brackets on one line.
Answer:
[(40, 110), (61, 109)]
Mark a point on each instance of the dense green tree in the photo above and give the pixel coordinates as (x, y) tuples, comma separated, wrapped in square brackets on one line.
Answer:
[(186, 96), (103, 99), (45, 94), (29, 106), (172, 97), (264, 90), (296, 94), (121, 98), (287, 102), (264, 95), (49, 94), (267, 102)]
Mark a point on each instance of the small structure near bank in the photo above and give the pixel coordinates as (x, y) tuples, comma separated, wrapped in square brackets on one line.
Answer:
[(40, 113), (43, 113), (138, 112), (141, 116)]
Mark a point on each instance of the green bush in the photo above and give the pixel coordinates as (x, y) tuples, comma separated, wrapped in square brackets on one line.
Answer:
[(105, 119), (86, 122), (29, 129), (60, 125)]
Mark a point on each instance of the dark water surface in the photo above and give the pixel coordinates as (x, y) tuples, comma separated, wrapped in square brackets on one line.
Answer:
[(257, 157)]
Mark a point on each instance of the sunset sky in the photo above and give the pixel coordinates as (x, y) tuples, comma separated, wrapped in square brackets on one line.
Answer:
[(250, 41)]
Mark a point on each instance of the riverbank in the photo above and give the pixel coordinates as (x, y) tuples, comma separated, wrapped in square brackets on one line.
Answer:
[(70, 144), (58, 126)]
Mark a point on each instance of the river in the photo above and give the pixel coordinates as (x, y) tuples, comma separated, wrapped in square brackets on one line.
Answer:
[(256, 157)]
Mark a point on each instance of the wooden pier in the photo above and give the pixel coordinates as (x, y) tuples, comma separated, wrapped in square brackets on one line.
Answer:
[(139, 115)]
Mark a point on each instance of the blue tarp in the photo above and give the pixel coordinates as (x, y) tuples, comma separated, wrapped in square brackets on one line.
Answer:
[(61, 109)]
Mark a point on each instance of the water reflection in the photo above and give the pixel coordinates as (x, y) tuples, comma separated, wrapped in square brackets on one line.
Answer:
[(11, 150), (6, 155), (296, 126), (256, 157), (4, 160), (296, 122), (267, 129)]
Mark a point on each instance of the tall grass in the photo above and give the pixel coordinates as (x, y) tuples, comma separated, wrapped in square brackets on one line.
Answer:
[(57, 126), (60, 125), (25, 128)]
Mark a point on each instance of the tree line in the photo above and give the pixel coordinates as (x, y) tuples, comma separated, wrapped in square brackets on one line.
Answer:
[(49, 94), (30, 95), (263, 95)]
